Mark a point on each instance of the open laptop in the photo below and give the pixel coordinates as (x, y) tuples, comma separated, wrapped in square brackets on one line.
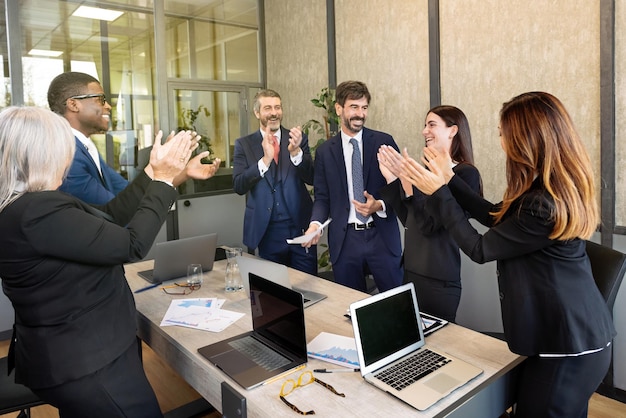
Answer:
[(387, 332), (278, 273), (276, 344), (172, 257)]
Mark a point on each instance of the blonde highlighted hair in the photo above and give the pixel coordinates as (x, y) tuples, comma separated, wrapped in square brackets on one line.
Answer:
[(540, 140), (36, 150)]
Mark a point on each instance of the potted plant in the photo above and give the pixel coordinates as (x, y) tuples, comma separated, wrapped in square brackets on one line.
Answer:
[(329, 127), (187, 122)]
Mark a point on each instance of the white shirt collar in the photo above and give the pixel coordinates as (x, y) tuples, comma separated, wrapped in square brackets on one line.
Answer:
[(277, 134)]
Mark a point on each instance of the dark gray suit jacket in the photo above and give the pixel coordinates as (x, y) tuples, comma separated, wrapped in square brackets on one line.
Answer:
[(550, 301), (62, 269)]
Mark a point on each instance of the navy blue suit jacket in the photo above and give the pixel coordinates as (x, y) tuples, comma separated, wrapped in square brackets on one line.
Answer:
[(85, 182), (259, 202), (331, 191)]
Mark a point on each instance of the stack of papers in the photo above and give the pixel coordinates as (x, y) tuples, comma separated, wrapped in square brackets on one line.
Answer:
[(200, 313)]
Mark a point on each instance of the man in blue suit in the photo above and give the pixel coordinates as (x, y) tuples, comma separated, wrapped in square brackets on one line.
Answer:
[(363, 236), (80, 99), (273, 166)]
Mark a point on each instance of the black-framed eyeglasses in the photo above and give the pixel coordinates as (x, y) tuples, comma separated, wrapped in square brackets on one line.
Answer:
[(304, 379), (102, 97), (181, 288)]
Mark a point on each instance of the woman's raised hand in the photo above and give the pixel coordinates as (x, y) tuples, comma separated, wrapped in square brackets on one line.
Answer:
[(168, 160)]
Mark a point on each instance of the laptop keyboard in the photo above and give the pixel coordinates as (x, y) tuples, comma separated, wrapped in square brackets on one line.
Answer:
[(259, 353), (411, 369)]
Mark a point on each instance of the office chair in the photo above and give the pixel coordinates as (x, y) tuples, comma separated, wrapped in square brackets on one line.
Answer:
[(13, 396), (608, 267)]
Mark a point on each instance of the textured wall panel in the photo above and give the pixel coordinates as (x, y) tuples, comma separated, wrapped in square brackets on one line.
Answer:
[(297, 63), (385, 45), (493, 50)]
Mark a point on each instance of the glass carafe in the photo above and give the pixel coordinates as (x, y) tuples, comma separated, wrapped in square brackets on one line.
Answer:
[(233, 277)]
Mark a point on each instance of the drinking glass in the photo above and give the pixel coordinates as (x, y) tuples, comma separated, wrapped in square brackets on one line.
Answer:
[(194, 274)]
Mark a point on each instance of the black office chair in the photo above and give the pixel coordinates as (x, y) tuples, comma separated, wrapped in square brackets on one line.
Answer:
[(608, 267), (13, 396)]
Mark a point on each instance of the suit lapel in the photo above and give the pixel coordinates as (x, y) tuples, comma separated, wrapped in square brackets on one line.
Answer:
[(369, 153), (336, 151), (80, 147)]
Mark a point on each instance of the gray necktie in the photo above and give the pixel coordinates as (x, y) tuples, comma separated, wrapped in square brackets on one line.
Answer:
[(357, 176)]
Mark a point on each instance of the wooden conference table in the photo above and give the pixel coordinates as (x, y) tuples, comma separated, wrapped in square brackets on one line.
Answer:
[(486, 396)]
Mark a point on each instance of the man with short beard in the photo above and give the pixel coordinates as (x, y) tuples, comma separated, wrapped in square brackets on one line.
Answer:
[(80, 99), (273, 166), (363, 236)]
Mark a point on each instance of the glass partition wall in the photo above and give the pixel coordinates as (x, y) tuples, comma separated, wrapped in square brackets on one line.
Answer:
[(212, 51)]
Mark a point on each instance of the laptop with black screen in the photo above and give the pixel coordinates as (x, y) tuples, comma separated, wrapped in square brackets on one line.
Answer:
[(276, 344), (393, 355)]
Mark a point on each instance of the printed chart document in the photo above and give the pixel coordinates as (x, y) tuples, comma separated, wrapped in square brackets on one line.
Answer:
[(199, 313), (335, 349), (308, 237)]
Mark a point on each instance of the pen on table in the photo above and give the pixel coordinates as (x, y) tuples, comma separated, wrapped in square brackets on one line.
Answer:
[(147, 287), (336, 370), (280, 376)]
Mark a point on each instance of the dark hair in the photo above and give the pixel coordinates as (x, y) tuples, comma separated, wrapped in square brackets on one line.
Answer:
[(351, 90), (263, 93), (461, 146), (65, 86)]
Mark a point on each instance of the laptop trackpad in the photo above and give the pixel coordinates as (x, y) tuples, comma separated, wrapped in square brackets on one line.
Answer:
[(233, 361), (442, 383)]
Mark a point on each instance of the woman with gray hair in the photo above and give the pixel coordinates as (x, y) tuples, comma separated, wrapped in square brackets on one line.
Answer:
[(74, 340)]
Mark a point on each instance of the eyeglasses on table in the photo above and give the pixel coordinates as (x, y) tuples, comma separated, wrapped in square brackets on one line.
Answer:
[(304, 379), (181, 288)]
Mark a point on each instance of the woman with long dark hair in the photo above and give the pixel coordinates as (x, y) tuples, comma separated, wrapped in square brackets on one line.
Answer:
[(431, 257)]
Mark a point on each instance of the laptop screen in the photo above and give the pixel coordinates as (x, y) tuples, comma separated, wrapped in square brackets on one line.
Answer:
[(387, 326), (278, 314)]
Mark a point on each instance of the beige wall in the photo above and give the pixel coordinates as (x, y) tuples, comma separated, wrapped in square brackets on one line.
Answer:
[(491, 50), (387, 48), (296, 54)]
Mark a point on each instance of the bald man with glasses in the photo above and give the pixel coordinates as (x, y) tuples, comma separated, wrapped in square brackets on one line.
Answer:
[(80, 99)]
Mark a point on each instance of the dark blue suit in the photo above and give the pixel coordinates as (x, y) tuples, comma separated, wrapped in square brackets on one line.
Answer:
[(278, 205), (355, 253), (85, 182)]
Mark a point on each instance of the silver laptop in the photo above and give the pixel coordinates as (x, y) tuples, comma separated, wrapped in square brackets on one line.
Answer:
[(276, 344), (390, 345), (278, 273), (172, 257)]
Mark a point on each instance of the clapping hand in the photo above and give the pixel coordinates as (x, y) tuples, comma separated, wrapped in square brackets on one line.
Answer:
[(168, 160), (195, 169), (427, 181)]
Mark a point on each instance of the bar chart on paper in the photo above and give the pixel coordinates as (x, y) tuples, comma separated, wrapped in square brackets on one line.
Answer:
[(335, 349)]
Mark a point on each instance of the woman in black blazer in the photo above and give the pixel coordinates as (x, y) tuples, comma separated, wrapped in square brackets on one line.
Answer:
[(552, 310), (431, 257), (61, 264)]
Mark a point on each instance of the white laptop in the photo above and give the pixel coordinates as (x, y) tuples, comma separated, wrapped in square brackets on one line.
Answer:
[(172, 257), (276, 272), (388, 332)]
